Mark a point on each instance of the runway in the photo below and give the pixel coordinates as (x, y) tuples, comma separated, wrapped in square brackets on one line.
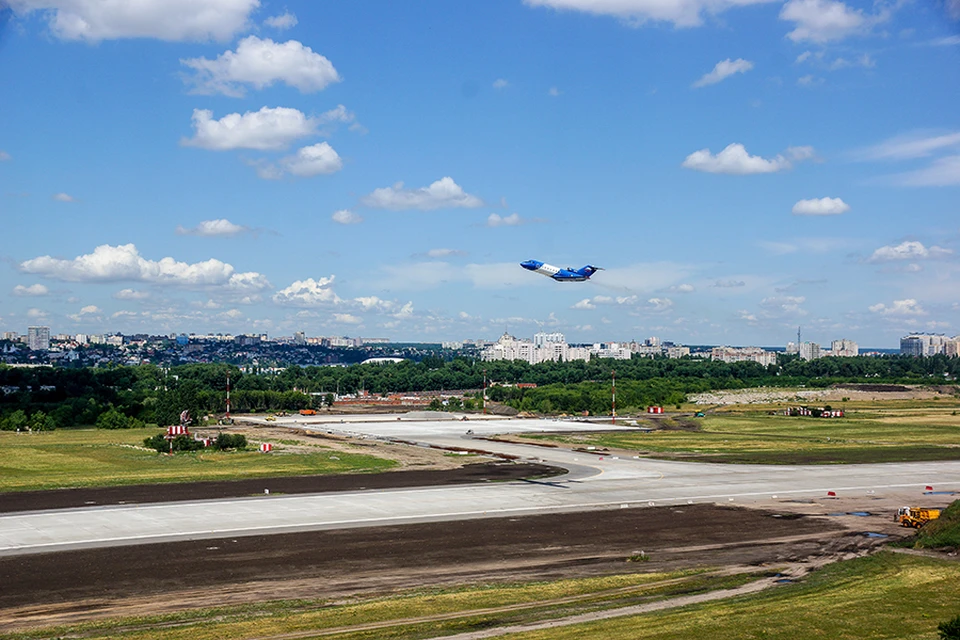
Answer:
[(593, 483)]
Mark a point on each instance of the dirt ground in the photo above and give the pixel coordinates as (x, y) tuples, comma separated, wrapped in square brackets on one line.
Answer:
[(174, 492), (852, 392), (64, 587)]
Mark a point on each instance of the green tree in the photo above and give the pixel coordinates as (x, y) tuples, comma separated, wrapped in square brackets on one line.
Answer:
[(40, 421), (113, 419), (16, 421)]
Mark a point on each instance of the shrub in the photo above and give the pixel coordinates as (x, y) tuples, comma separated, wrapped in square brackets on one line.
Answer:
[(180, 443), (949, 630), (230, 441), (113, 419)]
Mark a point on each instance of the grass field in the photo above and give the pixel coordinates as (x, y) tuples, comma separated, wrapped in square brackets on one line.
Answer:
[(751, 436), (91, 457), (420, 613), (884, 596)]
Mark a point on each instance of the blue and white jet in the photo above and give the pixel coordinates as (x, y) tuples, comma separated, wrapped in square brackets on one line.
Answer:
[(561, 275)]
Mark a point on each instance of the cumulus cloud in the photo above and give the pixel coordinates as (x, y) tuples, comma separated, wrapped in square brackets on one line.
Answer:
[(315, 160), (722, 70), (123, 262), (824, 21), (213, 228), (284, 21), (261, 63), (500, 83), (595, 301), (682, 13), (901, 308), (346, 318), (308, 293), (683, 288), (264, 130), (512, 220), (64, 197), (734, 160), (132, 294), (820, 207), (345, 216), (442, 194), (728, 284), (33, 290), (789, 305), (799, 154), (584, 304), (95, 20), (908, 250)]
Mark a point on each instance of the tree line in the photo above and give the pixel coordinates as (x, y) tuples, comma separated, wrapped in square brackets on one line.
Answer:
[(117, 396)]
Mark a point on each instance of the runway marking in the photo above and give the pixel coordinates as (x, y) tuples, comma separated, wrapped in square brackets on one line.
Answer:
[(386, 520)]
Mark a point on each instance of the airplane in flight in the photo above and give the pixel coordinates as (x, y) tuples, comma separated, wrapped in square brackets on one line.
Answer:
[(561, 275)]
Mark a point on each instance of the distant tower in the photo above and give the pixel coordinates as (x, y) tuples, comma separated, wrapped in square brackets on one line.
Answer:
[(798, 336)]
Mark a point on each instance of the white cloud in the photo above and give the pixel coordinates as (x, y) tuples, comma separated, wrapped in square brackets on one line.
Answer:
[(942, 172), (91, 312), (584, 304), (722, 70), (554, 92), (308, 293), (345, 216), (823, 21), (908, 250), (820, 207), (261, 63), (212, 228), (36, 314), (123, 262), (64, 197), (442, 194), (33, 290), (284, 21), (95, 20), (783, 305), (803, 57), (266, 129), (346, 318), (734, 160), (799, 154), (4, 156), (131, 294), (919, 144), (660, 304), (683, 288), (317, 159), (901, 308), (512, 220), (682, 13), (500, 83), (809, 80)]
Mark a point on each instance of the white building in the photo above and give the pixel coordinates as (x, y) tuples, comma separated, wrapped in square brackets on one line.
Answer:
[(613, 350), (743, 354), (509, 348), (809, 350), (844, 347), (38, 338), (924, 344)]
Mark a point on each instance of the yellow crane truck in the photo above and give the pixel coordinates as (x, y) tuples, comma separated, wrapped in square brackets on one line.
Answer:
[(915, 517)]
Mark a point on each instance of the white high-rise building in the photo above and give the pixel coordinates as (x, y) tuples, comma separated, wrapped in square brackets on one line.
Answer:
[(844, 347), (542, 339), (38, 338), (553, 349), (809, 350), (923, 344), (743, 354)]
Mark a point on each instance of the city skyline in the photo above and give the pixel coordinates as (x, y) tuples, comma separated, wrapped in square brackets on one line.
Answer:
[(379, 169)]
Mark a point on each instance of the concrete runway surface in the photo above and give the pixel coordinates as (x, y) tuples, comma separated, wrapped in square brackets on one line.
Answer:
[(593, 482)]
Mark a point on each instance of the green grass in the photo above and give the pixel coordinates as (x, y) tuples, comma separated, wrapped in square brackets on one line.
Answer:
[(90, 457), (895, 435), (885, 596), (942, 532), (420, 613)]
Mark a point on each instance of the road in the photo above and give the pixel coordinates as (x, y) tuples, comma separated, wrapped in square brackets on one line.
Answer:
[(593, 482)]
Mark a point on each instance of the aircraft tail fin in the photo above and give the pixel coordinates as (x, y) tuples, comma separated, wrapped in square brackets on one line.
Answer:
[(589, 270)]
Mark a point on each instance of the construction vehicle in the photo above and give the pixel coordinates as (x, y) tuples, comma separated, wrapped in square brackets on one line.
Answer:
[(915, 517), (308, 412)]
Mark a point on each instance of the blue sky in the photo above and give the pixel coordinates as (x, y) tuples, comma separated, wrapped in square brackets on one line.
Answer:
[(379, 168)]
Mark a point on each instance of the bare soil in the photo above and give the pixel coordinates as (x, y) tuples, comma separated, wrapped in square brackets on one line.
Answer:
[(210, 490), (65, 587)]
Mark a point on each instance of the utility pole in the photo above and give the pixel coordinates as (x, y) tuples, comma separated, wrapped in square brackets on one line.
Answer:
[(484, 392), (228, 396), (614, 397)]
